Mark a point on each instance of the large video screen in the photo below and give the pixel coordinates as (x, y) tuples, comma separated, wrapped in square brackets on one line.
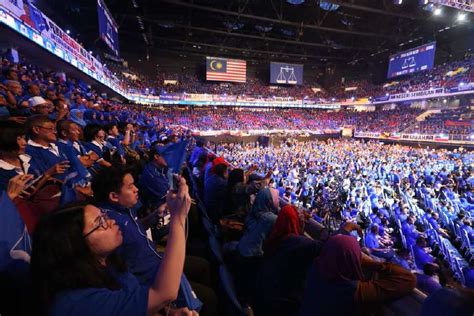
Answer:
[(281, 73), (108, 29), (413, 60)]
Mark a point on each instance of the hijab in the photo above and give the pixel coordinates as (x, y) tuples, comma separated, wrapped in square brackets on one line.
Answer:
[(340, 260), (287, 224), (76, 117), (264, 202)]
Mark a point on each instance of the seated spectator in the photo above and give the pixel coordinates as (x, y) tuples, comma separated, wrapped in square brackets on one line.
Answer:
[(336, 284), (288, 254), (116, 194), (410, 231), (467, 227), (239, 191), (428, 282), (39, 106), (373, 243), (403, 258), (215, 189), (434, 221), (98, 282), (94, 135), (154, 183), (422, 254)]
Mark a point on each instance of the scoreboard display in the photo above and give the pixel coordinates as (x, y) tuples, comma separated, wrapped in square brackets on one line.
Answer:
[(417, 59)]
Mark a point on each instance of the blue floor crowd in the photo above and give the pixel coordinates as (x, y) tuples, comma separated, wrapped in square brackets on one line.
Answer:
[(91, 226)]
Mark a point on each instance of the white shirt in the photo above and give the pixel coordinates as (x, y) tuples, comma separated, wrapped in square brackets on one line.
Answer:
[(25, 161)]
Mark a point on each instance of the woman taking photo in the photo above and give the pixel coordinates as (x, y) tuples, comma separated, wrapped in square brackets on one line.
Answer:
[(77, 272)]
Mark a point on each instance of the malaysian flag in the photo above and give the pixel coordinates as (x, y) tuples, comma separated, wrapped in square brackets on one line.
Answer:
[(223, 69)]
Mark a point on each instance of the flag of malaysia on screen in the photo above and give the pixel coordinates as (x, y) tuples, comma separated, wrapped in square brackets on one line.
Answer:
[(223, 69)]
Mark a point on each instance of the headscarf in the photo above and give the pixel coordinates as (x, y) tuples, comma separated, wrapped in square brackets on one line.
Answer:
[(76, 117), (287, 224), (235, 176), (340, 260), (264, 202)]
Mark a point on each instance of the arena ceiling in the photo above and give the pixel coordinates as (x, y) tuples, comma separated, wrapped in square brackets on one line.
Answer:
[(314, 32)]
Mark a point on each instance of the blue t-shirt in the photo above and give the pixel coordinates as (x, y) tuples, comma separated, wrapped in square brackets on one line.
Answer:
[(421, 257), (131, 299), (371, 241)]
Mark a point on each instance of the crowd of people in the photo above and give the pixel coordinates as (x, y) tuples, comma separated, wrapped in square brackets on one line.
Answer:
[(378, 194), (86, 184), (446, 75)]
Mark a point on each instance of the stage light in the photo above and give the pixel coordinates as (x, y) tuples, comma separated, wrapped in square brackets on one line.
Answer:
[(68, 32), (461, 84), (445, 101), (461, 17), (437, 11), (398, 2)]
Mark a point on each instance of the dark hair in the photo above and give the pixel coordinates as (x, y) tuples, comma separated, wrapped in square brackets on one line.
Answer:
[(62, 126), (235, 176), (430, 269), (9, 132), (153, 151), (220, 169), (109, 126), (91, 131), (108, 180), (403, 252), (34, 121), (61, 259)]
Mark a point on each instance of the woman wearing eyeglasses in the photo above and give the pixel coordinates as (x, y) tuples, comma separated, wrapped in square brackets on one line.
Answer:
[(76, 270)]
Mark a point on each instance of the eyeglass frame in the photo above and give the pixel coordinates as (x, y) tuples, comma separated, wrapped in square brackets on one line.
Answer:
[(103, 222), (51, 129)]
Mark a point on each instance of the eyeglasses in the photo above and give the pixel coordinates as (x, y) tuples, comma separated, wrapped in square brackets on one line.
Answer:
[(103, 223), (51, 129)]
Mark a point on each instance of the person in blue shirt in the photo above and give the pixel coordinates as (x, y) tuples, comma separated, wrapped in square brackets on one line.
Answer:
[(402, 258), (420, 253), (434, 221), (115, 193), (45, 154), (410, 231), (114, 141), (94, 137), (154, 182), (215, 189), (98, 283), (467, 226), (374, 245), (428, 282)]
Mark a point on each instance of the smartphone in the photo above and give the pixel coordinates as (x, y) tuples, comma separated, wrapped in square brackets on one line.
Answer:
[(173, 180)]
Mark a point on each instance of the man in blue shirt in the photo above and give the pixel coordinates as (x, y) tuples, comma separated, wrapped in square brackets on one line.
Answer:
[(373, 244), (434, 219), (421, 254), (154, 182)]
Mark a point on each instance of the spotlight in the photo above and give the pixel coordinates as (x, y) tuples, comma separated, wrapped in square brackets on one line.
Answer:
[(461, 17), (68, 32), (437, 11), (398, 2)]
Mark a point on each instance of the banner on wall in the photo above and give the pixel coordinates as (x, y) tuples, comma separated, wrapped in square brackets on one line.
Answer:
[(23, 17)]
